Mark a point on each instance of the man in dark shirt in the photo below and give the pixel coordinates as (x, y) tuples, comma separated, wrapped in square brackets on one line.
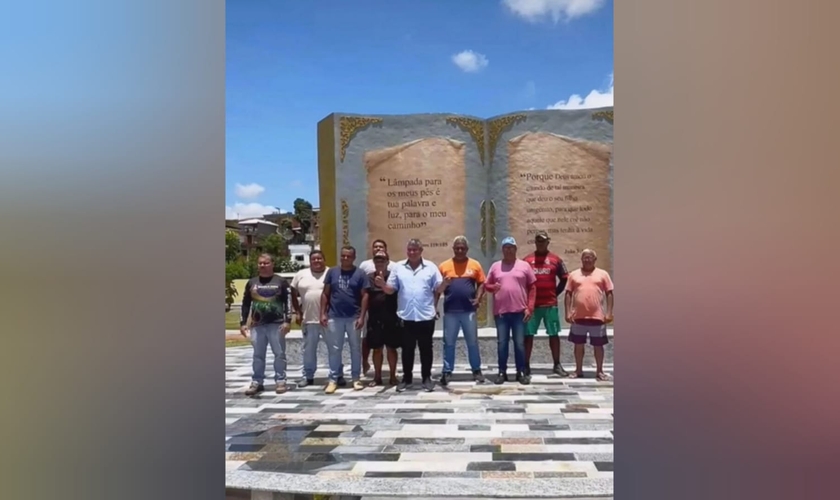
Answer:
[(343, 308), (265, 313), (383, 327)]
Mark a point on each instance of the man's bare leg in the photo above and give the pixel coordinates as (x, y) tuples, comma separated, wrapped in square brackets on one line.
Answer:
[(365, 356), (599, 363), (579, 352), (377, 368), (392, 365), (554, 345)]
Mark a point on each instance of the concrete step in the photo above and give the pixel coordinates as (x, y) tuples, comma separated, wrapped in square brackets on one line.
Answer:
[(487, 344)]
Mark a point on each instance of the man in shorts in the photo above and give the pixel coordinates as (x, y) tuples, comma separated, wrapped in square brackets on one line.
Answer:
[(587, 289), (551, 274), (368, 267), (383, 326)]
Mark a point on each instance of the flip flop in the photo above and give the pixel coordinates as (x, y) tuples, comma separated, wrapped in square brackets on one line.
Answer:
[(375, 383), (602, 377), (575, 375)]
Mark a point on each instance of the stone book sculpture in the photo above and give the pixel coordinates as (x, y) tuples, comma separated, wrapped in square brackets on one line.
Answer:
[(437, 176)]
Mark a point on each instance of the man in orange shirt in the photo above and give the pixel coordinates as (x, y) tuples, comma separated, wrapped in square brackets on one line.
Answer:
[(586, 291)]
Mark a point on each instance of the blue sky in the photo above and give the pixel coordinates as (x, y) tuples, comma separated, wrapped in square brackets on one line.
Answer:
[(291, 63)]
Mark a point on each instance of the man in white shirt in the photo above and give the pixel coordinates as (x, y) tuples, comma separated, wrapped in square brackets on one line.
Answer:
[(368, 267), (307, 286)]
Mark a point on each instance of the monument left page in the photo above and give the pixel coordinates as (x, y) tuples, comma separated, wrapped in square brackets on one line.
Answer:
[(417, 190)]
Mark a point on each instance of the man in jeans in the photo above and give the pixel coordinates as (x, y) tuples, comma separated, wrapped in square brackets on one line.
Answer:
[(265, 314), (418, 285), (343, 308), (460, 301), (307, 287), (511, 281)]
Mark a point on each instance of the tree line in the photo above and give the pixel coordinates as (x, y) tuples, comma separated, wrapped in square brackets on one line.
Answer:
[(238, 266)]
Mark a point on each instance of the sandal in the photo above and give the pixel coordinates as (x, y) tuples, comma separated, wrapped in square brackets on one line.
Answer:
[(602, 377), (576, 375), (375, 382)]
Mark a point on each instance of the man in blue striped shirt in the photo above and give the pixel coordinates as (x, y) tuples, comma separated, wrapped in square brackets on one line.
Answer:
[(418, 285)]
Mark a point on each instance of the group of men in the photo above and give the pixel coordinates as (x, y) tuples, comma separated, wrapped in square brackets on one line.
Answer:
[(396, 305)]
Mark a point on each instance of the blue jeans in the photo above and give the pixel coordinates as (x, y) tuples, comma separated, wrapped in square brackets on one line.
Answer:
[(263, 336), (507, 324), (312, 332), (452, 323), (336, 330)]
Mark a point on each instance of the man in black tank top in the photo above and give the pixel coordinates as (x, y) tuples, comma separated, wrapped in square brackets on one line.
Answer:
[(383, 327)]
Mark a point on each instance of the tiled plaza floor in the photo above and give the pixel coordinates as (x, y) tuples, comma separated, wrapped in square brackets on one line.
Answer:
[(466, 439)]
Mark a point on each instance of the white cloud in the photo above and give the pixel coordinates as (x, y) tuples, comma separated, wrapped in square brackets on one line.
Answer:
[(248, 210), (595, 99), (536, 10), (249, 191), (469, 61)]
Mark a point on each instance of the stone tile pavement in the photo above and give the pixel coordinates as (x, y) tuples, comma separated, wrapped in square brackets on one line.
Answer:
[(550, 439)]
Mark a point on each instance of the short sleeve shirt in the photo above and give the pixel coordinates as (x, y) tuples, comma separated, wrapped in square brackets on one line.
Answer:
[(467, 277), (379, 302), (415, 290), (547, 268), (346, 289), (588, 293), (309, 287), (515, 279)]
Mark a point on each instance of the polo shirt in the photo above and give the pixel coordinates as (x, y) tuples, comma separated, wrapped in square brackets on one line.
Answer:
[(415, 289), (466, 277)]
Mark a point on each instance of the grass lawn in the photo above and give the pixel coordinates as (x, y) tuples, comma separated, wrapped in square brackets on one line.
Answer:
[(231, 320), (237, 342)]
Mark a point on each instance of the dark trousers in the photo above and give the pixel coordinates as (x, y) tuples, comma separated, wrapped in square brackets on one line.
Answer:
[(417, 334)]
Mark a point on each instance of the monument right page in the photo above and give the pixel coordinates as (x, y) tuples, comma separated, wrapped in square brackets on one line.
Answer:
[(560, 185)]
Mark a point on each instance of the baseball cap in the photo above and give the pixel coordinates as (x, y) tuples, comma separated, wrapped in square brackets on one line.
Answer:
[(541, 235), (509, 241)]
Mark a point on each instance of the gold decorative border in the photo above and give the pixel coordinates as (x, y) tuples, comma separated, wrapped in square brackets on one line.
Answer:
[(482, 209), (492, 215), (603, 115), (497, 127), (345, 222), (348, 126), (474, 127)]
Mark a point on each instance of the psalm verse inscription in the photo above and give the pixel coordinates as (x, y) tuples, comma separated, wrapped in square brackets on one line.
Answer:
[(415, 203), (417, 190), (560, 185), (558, 202)]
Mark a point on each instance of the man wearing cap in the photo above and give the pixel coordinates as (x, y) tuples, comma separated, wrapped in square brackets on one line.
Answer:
[(551, 274), (367, 267), (383, 328), (418, 285), (511, 281)]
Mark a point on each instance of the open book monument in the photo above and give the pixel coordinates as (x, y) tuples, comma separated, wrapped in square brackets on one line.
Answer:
[(437, 176)]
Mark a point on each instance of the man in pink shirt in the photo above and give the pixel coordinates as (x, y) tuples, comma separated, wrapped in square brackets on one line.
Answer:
[(586, 291), (511, 281)]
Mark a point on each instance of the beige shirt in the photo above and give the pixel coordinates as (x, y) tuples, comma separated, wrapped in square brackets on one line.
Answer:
[(309, 286)]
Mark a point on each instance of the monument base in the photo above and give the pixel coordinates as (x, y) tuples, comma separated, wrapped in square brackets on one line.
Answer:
[(487, 345)]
